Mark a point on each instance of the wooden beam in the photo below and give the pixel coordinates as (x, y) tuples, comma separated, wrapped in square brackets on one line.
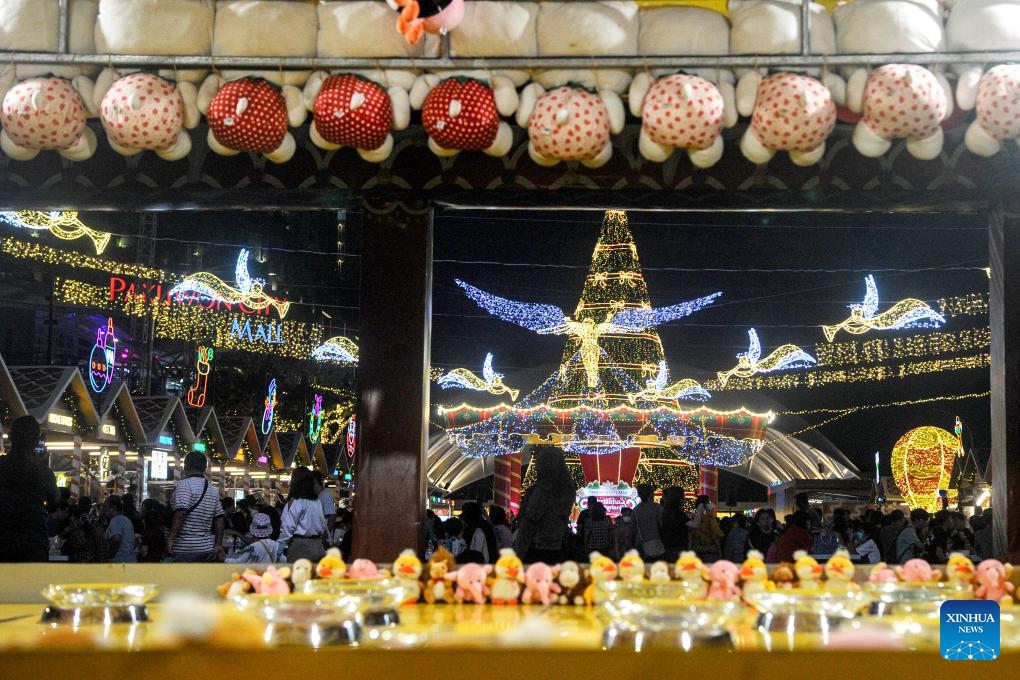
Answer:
[(393, 385)]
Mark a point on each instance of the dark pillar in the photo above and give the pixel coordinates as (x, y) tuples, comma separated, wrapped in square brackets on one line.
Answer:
[(1004, 318), (393, 385)]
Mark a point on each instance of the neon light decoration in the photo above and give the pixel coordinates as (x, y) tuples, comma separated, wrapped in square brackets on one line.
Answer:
[(907, 313), (103, 357), (922, 465), (491, 381), (658, 388), (64, 225), (339, 349), (750, 362), (352, 436), (248, 293), (196, 395), (958, 431), (270, 412), (315, 420), (551, 320)]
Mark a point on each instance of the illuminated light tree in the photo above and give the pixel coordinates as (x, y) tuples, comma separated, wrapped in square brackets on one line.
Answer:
[(610, 398)]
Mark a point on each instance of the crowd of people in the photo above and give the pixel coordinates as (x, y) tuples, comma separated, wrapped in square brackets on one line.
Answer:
[(37, 518)]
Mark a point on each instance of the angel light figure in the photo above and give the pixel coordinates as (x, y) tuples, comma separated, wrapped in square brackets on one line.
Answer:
[(490, 381), (750, 362), (551, 320), (907, 313), (658, 388), (62, 224), (249, 291), (340, 349)]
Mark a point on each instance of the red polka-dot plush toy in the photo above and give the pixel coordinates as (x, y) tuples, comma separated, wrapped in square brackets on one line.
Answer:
[(144, 112), (900, 101), (998, 110), (47, 114), (791, 113), (681, 111), (570, 124), (251, 114), (462, 113), (356, 111)]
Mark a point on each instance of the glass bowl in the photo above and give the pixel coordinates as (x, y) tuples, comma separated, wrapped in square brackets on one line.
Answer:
[(375, 599), (304, 619), (806, 611), (94, 595), (913, 599), (640, 615)]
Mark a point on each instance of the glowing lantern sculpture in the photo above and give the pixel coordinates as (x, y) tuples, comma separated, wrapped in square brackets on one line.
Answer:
[(922, 464), (103, 357)]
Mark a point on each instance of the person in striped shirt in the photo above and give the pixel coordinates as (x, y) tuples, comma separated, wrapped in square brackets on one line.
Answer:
[(196, 531)]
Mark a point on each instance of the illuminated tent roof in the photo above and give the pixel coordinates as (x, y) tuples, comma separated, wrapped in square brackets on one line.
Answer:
[(449, 469)]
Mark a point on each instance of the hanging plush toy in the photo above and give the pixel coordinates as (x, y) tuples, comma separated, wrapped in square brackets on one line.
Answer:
[(143, 112), (356, 111), (427, 16), (41, 114), (997, 100), (900, 101), (791, 113), (462, 113), (251, 114), (570, 124)]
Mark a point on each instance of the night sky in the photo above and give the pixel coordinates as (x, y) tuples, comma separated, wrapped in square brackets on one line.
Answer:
[(783, 274)]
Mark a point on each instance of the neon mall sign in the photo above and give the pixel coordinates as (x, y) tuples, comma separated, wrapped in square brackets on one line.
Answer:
[(269, 332), (123, 289)]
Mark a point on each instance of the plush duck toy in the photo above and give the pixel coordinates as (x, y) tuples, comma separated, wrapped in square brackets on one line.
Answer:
[(692, 572), (809, 572), (960, 571), (331, 565), (407, 569), (839, 572), (508, 577), (754, 574), (602, 570), (632, 567)]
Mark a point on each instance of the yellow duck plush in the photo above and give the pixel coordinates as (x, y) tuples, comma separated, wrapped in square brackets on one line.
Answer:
[(602, 569), (754, 574), (809, 572), (693, 573), (839, 572), (332, 565)]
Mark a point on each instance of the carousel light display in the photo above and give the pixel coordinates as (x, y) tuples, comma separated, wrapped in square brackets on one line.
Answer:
[(879, 350), (922, 466), (315, 419), (658, 388), (103, 357), (491, 381), (820, 378), (907, 313), (63, 224), (270, 409), (72, 260), (601, 403), (203, 367), (337, 349), (750, 363), (248, 292)]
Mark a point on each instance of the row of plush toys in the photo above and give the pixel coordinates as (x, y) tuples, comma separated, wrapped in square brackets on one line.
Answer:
[(570, 114), (509, 582)]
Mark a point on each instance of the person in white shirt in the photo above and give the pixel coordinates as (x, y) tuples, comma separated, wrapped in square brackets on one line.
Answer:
[(328, 504), (868, 548), (302, 524)]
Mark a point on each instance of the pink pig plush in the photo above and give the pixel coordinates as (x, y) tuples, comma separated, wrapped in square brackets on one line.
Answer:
[(362, 568), (998, 110), (918, 571), (723, 576), (539, 583), (47, 114), (791, 113), (993, 581), (471, 585), (271, 582)]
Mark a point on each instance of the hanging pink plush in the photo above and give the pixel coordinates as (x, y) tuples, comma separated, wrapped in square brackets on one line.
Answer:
[(142, 111), (418, 17), (47, 114), (679, 111), (460, 114), (998, 109), (791, 113), (569, 124), (350, 110)]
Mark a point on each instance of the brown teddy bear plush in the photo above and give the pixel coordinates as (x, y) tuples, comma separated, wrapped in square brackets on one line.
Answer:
[(434, 584)]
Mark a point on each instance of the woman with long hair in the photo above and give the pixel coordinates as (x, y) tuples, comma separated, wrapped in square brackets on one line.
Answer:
[(674, 523), (478, 532), (705, 530), (545, 509), (500, 525), (302, 523)]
